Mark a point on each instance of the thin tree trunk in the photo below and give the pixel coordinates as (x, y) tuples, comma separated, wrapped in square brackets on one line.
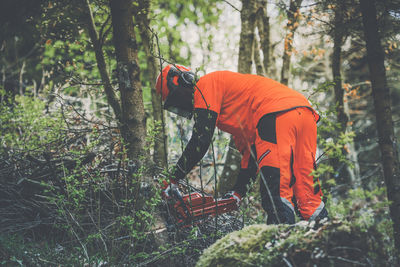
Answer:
[(338, 36), (9, 81), (262, 21), (101, 63), (347, 175), (248, 16), (292, 15), (21, 78), (257, 58), (160, 157), (381, 95)]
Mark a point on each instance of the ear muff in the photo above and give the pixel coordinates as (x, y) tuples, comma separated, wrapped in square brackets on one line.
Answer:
[(185, 79)]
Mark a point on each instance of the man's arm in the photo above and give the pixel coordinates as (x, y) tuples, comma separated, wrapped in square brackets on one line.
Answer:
[(202, 133)]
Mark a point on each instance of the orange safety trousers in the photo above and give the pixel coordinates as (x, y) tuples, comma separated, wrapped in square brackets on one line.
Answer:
[(286, 144)]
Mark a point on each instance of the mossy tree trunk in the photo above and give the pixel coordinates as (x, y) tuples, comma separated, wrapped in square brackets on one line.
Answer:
[(381, 96)]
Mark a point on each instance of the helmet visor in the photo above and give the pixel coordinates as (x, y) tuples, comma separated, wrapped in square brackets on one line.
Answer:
[(180, 102)]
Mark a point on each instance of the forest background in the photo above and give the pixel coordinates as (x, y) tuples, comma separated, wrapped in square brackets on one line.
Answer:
[(84, 140)]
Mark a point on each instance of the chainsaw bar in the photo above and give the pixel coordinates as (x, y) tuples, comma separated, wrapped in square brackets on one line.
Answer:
[(194, 208)]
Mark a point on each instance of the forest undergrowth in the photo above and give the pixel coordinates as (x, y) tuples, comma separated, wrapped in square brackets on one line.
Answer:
[(68, 192)]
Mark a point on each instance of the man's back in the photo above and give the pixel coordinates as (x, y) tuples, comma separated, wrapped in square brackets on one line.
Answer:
[(242, 99)]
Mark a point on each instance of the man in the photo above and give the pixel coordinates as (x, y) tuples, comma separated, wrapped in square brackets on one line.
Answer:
[(273, 126)]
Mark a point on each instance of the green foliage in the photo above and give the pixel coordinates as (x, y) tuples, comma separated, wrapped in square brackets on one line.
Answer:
[(98, 214), (24, 126), (250, 207), (173, 16), (71, 62), (332, 140)]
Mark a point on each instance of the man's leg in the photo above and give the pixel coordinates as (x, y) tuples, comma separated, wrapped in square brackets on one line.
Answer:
[(274, 143), (307, 190)]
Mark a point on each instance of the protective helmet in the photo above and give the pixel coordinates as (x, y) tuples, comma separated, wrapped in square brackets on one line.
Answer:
[(176, 85)]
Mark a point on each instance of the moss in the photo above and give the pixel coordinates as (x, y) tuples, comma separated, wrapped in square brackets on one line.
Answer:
[(333, 244), (239, 248)]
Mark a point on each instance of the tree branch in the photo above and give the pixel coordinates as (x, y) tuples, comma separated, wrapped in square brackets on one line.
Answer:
[(101, 63)]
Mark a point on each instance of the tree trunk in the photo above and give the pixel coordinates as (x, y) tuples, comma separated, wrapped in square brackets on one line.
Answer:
[(347, 174), (133, 123), (292, 24), (381, 95), (248, 16), (262, 21), (257, 58), (338, 36), (143, 21), (231, 168), (10, 83), (133, 126)]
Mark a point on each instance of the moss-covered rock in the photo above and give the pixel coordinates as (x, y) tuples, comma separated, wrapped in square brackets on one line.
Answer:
[(333, 244)]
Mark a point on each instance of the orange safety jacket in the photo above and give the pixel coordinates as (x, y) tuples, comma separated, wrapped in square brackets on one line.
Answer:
[(240, 100)]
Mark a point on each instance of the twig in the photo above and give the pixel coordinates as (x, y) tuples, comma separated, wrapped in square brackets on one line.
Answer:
[(237, 9), (346, 260), (287, 262)]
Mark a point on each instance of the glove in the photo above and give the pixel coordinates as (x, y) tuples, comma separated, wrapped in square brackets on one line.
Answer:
[(167, 187), (233, 195)]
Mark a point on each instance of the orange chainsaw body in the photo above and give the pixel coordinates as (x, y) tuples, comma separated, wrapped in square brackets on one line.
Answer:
[(197, 207)]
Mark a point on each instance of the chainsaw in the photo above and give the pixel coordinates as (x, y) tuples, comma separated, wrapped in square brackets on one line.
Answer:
[(196, 207)]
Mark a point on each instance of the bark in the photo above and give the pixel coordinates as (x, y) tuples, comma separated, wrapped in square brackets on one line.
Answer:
[(133, 126), (347, 175), (381, 96), (292, 15), (231, 168), (257, 58), (160, 152), (10, 83), (101, 63), (247, 16), (21, 78), (338, 36), (262, 22)]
